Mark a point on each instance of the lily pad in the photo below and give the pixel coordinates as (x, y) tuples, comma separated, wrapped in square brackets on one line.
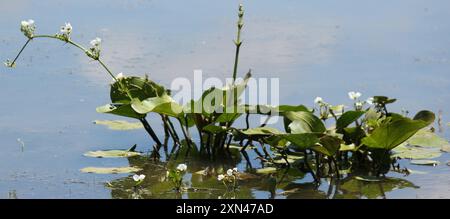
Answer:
[(427, 138), (119, 124), (411, 152), (110, 170), (266, 170), (425, 162), (112, 153)]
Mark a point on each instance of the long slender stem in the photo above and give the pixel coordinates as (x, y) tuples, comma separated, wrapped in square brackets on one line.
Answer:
[(150, 131), (20, 52)]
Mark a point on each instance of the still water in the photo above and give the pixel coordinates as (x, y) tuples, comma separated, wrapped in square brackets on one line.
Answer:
[(324, 48)]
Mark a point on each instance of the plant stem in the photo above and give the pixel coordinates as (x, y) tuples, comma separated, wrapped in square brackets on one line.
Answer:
[(150, 131), (20, 52)]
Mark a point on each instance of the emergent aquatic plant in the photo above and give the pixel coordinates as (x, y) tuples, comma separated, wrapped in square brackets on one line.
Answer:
[(176, 176), (361, 138)]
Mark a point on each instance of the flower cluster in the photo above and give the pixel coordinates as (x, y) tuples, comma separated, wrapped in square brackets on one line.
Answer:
[(65, 32), (94, 50), (359, 104), (28, 27), (138, 178), (230, 178), (176, 176)]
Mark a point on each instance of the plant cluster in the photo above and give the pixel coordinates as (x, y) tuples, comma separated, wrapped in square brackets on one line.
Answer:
[(361, 138)]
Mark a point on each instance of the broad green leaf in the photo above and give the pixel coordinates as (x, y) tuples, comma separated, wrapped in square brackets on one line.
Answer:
[(261, 131), (141, 88), (163, 105), (425, 116), (331, 144), (302, 141), (110, 170), (120, 110), (119, 124), (348, 118), (425, 162), (303, 122), (392, 133)]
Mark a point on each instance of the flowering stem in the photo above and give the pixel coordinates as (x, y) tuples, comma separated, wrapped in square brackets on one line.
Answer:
[(21, 50)]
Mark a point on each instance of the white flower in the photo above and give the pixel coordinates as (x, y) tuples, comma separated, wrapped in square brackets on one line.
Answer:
[(370, 100), (318, 100), (359, 104), (138, 178), (229, 172), (96, 42), (235, 169), (120, 76), (66, 29), (27, 28), (354, 95), (182, 167), (220, 177), (167, 173)]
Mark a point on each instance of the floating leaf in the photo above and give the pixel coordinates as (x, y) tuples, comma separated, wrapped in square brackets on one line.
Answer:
[(110, 170), (119, 124), (266, 170), (411, 152), (427, 138), (368, 178), (112, 153), (425, 162)]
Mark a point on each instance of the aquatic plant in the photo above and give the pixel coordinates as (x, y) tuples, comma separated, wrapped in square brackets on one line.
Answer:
[(362, 138), (176, 175)]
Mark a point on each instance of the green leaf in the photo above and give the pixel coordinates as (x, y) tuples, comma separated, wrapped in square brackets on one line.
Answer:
[(302, 141), (215, 129), (409, 152), (162, 105), (303, 122), (425, 116), (425, 162), (111, 153), (120, 110), (119, 124), (261, 131), (110, 170), (140, 88), (427, 138), (267, 170), (331, 144), (348, 118), (393, 132)]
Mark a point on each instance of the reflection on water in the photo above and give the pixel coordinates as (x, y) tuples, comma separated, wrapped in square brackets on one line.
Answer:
[(316, 48), (201, 182)]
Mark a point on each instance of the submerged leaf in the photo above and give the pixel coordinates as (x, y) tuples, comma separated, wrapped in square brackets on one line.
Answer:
[(110, 170), (119, 124), (409, 152)]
